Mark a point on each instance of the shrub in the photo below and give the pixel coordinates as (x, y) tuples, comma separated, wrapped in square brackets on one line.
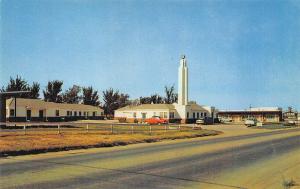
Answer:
[(122, 119), (288, 183)]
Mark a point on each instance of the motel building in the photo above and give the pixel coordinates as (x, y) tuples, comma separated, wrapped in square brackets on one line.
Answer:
[(183, 111), (39, 110), (262, 114)]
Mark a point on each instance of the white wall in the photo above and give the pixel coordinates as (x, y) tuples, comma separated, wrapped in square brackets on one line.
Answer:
[(50, 112), (149, 113)]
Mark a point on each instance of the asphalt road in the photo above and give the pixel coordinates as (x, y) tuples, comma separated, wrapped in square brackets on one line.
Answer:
[(160, 165)]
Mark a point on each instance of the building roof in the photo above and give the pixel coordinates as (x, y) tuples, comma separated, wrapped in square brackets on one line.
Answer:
[(196, 107), (148, 107), (37, 103), (258, 109)]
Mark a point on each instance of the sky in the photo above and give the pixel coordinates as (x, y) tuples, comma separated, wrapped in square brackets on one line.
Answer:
[(239, 53)]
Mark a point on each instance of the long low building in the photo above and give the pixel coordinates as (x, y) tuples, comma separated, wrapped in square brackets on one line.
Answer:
[(39, 110), (167, 111), (263, 114)]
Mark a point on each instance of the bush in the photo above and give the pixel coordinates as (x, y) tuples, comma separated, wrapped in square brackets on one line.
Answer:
[(122, 119), (288, 183)]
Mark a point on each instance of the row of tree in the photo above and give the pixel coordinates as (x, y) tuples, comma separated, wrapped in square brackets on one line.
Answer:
[(73, 95), (112, 99), (20, 84), (170, 98)]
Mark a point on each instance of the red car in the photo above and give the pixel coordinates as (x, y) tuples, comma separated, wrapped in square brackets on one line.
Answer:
[(156, 120)]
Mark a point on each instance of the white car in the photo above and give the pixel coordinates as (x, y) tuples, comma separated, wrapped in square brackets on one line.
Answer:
[(250, 122), (226, 120), (199, 121)]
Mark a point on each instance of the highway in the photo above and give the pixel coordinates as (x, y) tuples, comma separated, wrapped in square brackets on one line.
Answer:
[(191, 163)]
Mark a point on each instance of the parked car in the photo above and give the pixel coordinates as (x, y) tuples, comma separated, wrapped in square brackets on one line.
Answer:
[(225, 120), (200, 121), (290, 123), (250, 122), (155, 120)]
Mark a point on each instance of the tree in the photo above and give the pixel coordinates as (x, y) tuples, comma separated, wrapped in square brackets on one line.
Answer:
[(171, 96), (134, 102), (153, 99), (123, 100), (156, 99), (114, 100), (20, 84), (72, 95), (34, 90), (145, 100), (53, 90), (90, 96)]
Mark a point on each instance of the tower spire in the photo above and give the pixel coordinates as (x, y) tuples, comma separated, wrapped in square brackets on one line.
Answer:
[(183, 82)]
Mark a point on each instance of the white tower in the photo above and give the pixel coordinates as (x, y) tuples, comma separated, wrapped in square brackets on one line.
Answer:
[(183, 82)]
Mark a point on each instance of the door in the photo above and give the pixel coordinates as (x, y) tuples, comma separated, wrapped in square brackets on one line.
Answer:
[(28, 115), (41, 114)]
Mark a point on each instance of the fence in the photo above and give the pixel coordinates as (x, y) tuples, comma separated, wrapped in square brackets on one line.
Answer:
[(101, 128)]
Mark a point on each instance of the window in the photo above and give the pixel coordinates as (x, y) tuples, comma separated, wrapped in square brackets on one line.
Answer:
[(201, 114), (57, 113), (12, 113), (70, 113), (75, 113), (194, 115), (165, 115), (187, 115), (144, 115), (270, 116), (102, 113), (171, 115), (87, 113), (205, 114), (94, 114), (41, 113), (197, 115), (79, 113), (84, 113), (134, 114), (154, 113), (161, 114)]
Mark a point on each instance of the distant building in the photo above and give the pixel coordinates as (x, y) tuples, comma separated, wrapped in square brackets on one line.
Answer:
[(262, 114), (290, 115), (183, 111), (39, 110)]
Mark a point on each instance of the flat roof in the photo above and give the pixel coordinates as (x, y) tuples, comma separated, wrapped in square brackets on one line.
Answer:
[(37, 103), (148, 107), (257, 109)]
